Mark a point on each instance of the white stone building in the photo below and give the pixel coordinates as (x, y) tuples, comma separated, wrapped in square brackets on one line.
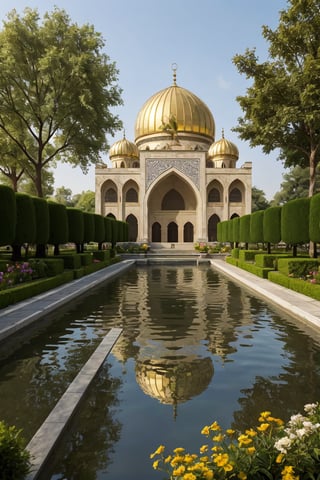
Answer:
[(174, 183)]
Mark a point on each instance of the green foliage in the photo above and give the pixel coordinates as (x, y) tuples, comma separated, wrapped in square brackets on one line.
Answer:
[(99, 228), (259, 201), (88, 227), (272, 225), (295, 221), (295, 185), (295, 284), (26, 220), (41, 211), (256, 227), (281, 106), (8, 214), (14, 458), (314, 218), (245, 228), (247, 255), (56, 86), (75, 225), (58, 221)]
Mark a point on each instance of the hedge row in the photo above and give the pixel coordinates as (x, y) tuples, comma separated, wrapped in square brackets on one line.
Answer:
[(32, 220), (296, 222)]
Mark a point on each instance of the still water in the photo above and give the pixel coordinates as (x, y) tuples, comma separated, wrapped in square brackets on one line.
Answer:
[(195, 348)]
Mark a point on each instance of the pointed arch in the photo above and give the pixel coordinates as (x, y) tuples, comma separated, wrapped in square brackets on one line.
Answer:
[(172, 232), (133, 228), (188, 232), (173, 200), (212, 227), (156, 232)]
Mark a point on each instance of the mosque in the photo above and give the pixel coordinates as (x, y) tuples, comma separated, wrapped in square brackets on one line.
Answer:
[(175, 182)]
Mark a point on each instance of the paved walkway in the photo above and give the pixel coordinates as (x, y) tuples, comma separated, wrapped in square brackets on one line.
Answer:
[(299, 306), (22, 314), (16, 317)]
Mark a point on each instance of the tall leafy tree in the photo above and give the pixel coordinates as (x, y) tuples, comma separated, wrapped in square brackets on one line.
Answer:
[(56, 90), (295, 185), (282, 106), (259, 201)]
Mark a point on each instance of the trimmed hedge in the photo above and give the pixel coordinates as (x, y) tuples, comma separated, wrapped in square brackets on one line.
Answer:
[(71, 260), (288, 266), (247, 255), (102, 255), (8, 212), (295, 284), (27, 290)]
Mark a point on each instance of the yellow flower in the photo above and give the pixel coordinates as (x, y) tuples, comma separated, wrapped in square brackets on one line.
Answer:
[(205, 430), (189, 458), (251, 433), (189, 476), (221, 459), (155, 464), (176, 460), (279, 458), (244, 440), (288, 473), (228, 467), (215, 427), (178, 450), (218, 438), (168, 459), (230, 432), (204, 448), (208, 475), (242, 476), (251, 450), (263, 427), (177, 472), (159, 451), (264, 415)]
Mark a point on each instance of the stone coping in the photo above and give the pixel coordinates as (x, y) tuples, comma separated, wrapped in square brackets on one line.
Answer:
[(45, 439)]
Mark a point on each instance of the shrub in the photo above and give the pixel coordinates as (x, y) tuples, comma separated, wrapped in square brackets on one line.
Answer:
[(14, 459), (8, 212), (271, 450)]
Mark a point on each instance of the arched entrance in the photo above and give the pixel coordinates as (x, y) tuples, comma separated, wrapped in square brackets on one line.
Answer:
[(172, 205), (212, 227), (172, 232), (156, 232), (133, 228), (188, 232)]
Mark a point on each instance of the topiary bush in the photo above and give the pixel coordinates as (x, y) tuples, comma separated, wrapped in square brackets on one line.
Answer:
[(14, 458)]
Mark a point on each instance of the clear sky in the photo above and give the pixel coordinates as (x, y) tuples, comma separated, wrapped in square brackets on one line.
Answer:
[(145, 37)]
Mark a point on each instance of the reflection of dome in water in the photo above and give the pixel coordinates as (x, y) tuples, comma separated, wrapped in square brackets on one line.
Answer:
[(174, 382)]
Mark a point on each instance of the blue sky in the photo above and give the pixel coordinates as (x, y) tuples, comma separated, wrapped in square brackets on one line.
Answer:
[(145, 37)]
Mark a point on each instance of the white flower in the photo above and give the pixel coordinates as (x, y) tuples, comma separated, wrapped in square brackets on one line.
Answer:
[(310, 408), (283, 444)]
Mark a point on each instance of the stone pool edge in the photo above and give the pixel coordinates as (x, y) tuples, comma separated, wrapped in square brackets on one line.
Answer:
[(43, 442)]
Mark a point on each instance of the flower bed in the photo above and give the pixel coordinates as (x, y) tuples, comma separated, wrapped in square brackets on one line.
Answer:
[(272, 450)]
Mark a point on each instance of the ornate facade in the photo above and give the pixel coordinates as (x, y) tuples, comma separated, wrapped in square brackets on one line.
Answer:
[(174, 183)]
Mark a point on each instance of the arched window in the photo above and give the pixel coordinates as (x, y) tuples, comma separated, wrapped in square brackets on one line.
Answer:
[(188, 232), (214, 195), (135, 165), (132, 195), (173, 200), (111, 196), (122, 165), (235, 196)]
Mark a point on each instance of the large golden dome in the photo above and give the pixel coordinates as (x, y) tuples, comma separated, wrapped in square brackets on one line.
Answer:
[(190, 114)]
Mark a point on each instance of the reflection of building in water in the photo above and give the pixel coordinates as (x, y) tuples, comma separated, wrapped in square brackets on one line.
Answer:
[(174, 183), (173, 317)]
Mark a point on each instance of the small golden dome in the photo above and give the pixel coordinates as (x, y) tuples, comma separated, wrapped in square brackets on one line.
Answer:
[(190, 114), (124, 148), (223, 148)]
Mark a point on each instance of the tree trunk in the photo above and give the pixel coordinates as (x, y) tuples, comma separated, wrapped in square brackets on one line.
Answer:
[(294, 250), (268, 248), (16, 252), (56, 250), (38, 180), (41, 251)]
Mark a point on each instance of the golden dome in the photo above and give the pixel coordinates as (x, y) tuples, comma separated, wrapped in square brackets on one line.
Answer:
[(223, 148), (124, 148), (190, 114)]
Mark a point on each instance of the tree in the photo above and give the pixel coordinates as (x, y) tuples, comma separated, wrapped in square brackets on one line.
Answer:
[(281, 108), (295, 185), (63, 195), (259, 201), (85, 201), (56, 88)]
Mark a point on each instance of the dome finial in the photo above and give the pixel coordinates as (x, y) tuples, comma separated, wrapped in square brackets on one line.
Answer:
[(223, 133), (124, 134), (174, 67)]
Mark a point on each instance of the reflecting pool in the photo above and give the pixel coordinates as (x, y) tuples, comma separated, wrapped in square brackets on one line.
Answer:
[(195, 348)]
